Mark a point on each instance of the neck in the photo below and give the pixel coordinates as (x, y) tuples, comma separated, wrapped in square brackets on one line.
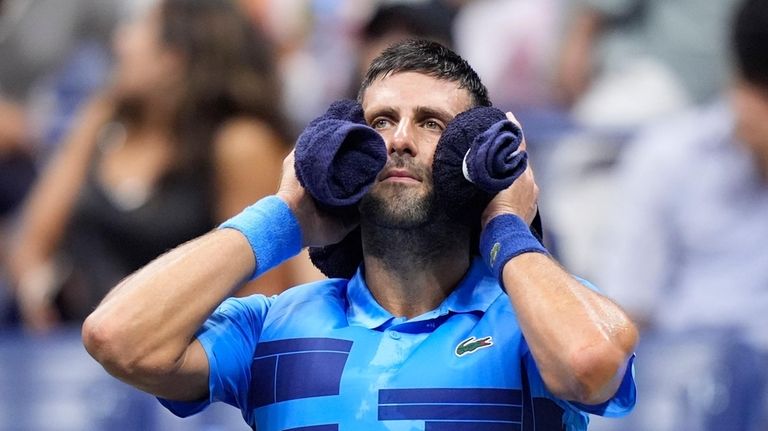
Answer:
[(411, 271)]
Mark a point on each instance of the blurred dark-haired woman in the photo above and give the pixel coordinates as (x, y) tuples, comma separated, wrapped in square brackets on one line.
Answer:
[(187, 134)]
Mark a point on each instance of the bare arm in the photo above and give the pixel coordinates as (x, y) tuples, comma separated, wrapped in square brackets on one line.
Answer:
[(47, 212), (143, 331), (580, 340)]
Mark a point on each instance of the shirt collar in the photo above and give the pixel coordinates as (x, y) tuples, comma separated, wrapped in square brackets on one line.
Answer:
[(475, 293)]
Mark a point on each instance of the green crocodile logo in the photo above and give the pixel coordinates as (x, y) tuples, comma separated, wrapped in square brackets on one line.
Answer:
[(472, 344), (494, 253)]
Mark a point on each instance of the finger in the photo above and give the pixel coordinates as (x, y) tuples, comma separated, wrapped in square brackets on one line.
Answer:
[(289, 158), (511, 117)]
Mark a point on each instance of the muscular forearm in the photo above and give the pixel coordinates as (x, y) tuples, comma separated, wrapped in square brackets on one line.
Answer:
[(581, 341), (146, 323)]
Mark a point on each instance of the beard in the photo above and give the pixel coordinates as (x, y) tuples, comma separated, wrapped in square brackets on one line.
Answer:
[(400, 206), (401, 223)]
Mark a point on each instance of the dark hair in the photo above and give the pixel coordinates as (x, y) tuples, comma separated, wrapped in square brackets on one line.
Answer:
[(229, 72), (750, 41), (429, 58)]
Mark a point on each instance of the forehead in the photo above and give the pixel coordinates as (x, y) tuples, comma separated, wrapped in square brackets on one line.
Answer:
[(408, 90)]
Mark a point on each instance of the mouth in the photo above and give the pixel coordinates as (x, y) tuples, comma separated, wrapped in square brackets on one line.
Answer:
[(400, 176)]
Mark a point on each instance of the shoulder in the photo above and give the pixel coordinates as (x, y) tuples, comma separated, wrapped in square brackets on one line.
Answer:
[(316, 302), (253, 306), (247, 139), (333, 290)]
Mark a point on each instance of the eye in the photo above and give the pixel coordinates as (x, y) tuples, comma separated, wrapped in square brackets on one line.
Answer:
[(433, 125), (380, 123)]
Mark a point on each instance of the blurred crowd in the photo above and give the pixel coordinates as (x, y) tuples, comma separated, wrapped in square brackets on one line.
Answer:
[(129, 127)]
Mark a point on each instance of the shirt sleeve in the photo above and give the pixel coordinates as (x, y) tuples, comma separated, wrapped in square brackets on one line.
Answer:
[(229, 338), (622, 402), (624, 399)]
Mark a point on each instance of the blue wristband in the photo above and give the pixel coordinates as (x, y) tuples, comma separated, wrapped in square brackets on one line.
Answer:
[(505, 237), (272, 231)]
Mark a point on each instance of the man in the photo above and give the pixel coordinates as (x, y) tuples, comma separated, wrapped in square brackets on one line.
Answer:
[(421, 338)]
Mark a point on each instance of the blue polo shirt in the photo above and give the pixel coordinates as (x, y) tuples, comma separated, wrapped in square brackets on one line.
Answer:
[(326, 356)]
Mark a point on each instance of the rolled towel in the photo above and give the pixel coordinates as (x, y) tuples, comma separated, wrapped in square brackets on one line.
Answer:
[(337, 159), (338, 156), (477, 156), (494, 160), (470, 144), (339, 260)]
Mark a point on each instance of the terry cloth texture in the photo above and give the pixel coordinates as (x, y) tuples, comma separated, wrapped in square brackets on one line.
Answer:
[(483, 145), (338, 157)]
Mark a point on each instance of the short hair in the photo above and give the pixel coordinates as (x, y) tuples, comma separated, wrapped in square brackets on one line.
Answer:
[(429, 58), (749, 38)]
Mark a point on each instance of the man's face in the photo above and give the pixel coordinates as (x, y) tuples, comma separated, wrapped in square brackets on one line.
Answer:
[(410, 110)]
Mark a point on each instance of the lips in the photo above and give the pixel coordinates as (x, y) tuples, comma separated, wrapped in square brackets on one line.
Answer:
[(399, 174)]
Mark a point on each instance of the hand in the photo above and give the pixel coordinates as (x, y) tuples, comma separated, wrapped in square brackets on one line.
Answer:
[(318, 227), (520, 199), (34, 296)]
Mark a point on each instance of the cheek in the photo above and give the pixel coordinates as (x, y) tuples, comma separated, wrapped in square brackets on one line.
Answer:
[(428, 146)]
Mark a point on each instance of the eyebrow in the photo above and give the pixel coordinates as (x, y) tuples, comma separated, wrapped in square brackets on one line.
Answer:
[(386, 111), (428, 112), (421, 112)]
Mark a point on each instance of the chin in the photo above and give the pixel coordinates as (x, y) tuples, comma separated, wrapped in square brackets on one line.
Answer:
[(393, 206)]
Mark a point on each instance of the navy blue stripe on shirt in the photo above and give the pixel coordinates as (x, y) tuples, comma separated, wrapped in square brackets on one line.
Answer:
[(292, 369), (294, 345), (456, 412), (307, 375), (471, 426), (451, 396)]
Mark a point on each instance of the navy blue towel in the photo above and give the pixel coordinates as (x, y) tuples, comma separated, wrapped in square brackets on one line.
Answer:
[(484, 144), (494, 160), (339, 260), (338, 156)]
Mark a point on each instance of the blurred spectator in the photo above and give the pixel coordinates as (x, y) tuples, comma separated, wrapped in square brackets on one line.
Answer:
[(53, 55), (513, 46), (187, 134), (394, 22), (42, 41), (625, 62), (314, 35), (688, 255)]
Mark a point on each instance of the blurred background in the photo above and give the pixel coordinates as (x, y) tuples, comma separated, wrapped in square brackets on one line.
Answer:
[(128, 127)]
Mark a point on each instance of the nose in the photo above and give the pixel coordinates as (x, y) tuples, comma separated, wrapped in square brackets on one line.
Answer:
[(402, 140)]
